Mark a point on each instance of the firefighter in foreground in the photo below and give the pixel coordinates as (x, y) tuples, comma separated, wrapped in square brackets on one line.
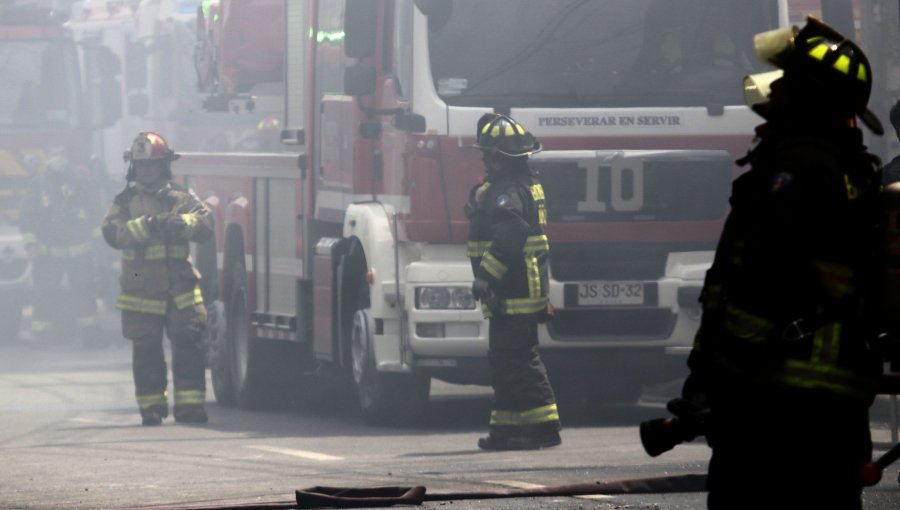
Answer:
[(509, 252), (783, 361), (152, 221), (58, 221)]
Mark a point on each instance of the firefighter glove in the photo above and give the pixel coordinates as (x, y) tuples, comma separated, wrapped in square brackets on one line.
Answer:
[(175, 224)]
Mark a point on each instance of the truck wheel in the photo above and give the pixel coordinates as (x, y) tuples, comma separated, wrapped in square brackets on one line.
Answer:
[(384, 398), (217, 357), (10, 318), (263, 372)]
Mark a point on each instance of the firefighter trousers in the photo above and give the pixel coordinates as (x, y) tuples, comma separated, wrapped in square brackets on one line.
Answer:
[(53, 303), (185, 331), (787, 448), (524, 402)]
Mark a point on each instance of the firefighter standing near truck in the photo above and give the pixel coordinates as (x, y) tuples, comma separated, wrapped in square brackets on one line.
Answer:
[(58, 221), (783, 360), (509, 251), (152, 221)]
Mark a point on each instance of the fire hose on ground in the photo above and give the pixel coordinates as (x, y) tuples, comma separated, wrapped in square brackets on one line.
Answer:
[(670, 434)]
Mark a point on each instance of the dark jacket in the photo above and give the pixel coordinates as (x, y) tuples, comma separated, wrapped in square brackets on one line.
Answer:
[(785, 301), (507, 244)]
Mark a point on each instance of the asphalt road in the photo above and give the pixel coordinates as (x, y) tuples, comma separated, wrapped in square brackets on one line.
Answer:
[(70, 437)]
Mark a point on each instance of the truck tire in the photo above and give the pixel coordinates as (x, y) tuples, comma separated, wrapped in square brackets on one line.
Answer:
[(208, 266), (384, 398), (217, 357), (263, 372), (10, 318)]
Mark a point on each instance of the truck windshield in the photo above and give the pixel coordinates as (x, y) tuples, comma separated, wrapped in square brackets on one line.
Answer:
[(40, 84), (595, 53)]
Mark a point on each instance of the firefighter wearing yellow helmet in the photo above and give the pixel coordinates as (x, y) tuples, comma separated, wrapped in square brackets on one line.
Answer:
[(783, 359), (151, 222), (509, 252)]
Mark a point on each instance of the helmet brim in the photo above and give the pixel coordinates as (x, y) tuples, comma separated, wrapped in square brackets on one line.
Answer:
[(870, 120)]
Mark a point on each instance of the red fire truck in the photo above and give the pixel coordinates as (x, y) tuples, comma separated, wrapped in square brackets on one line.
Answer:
[(55, 95), (346, 251)]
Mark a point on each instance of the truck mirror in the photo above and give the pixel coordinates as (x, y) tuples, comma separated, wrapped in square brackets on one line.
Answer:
[(136, 65), (138, 104), (108, 63), (369, 129), (410, 122), (108, 109), (359, 80), (437, 11), (360, 27)]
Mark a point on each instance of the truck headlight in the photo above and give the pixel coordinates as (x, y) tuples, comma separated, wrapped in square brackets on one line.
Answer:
[(444, 298)]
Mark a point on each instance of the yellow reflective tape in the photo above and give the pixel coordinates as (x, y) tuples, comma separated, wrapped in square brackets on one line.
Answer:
[(746, 325), (533, 273), (852, 191), (536, 243), (504, 418), (478, 248), (141, 305), (190, 219), (141, 224), (509, 131), (520, 129), (819, 52), (132, 228), (811, 375), (493, 266), (537, 192), (152, 400), (188, 397), (842, 64), (187, 299), (495, 131), (861, 74), (519, 306), (485, 128)]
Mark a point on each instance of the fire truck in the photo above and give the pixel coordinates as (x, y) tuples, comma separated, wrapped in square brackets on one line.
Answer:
[(345, 252), (56, 94)]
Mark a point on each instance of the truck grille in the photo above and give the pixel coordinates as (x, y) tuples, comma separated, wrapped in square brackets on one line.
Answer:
[(602, 325), (634, 261)]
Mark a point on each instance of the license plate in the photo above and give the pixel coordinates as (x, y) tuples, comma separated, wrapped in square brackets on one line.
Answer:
[(625, 292)]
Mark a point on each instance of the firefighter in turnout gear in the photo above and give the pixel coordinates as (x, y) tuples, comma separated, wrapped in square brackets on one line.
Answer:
[(58, 221), (509, 251), (782, 360), (151, 222)]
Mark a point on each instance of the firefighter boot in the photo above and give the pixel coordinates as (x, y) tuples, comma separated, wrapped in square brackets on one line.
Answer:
[(536, 437), (498, 438), (190, 414), (547, 440), (153, 416)]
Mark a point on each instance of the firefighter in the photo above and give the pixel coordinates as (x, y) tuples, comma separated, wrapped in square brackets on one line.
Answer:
[(891, 171), (509, 251), (782, 359), (58, 221), (152, 221)]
